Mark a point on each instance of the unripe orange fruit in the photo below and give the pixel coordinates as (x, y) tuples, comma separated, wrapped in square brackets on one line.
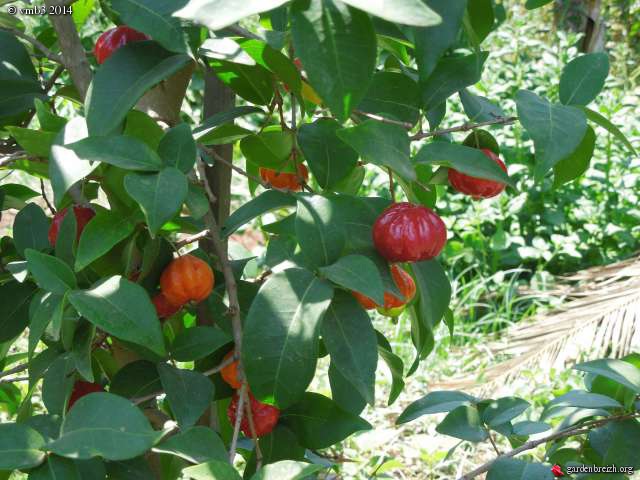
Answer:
[(230, 372), (393, 305), (286, 181), (186, 279)]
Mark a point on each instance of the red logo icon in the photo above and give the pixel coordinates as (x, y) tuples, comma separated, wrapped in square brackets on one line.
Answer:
[(557, 471)]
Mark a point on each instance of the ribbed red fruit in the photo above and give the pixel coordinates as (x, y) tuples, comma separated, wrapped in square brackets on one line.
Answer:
[(164, 308), (478, 187), (113, 39), (187, 278), (82, 388), (83, 215), (265, 417), (405, 232)]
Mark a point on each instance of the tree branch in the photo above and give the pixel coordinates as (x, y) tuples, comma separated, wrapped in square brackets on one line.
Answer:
[(379, 118), (236, 427), (54, 57), (252, 427), (14, 379), (17, 369), (73, 54), (569, 432), (465, 127)]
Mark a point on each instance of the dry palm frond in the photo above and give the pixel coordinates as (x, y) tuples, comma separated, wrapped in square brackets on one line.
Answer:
[(602, 319)]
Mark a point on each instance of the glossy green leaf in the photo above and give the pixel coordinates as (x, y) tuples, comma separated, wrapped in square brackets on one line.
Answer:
[(189, 393), (34, 142), (287, 470), (481, 18), (382, 144), (280, 444), (329, 158), (527, 427), (280, 335), (58, 468), (212, 470), (503, 410), (328, 37), (470, 161), (154, 18), (582, 399), (318, 230), (318, 422), (263, 203), (51, 273), (463, 422), (196, 445), (583, 78), (100, 235), (450, 75), (123, 79), (617, 442), (141, 126), (407, 12), (123, 309), (619, 371), (136, 379), (433, 291), (392, 95), (344, 393), (150, 191), (48, 308), (30, 229), (435, 402), (20, 447), (577, 163), (357, 273), (254, 83), (65, 248), (479, 109), (270, 149), (57, 384), (198, 342), (119, 432), (516, 469), (396, 367), (118, 150), (351, 341), (610, 127), (533, 4), (222, 118), (178, 148), (217, 14), (556, 130), (274, 60), (13, 195)]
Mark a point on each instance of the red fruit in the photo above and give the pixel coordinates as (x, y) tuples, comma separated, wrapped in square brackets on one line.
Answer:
[(113, 39), (405, 232), (286, 181), (230, 373), (83, 215), (478, 187), (265, 417), (392, 304), (186, 279), (164, 308), (80, 389)]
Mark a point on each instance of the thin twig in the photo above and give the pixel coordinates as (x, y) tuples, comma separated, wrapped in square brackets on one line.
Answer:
[(52, 79), (252, 428), (236, 428), (14, 379), (379, 118), (569, 432), (392, 190), (493, 443), (46, 199), (7, 159), (17, 369), (54, 57), (465, 127), (192, 239)]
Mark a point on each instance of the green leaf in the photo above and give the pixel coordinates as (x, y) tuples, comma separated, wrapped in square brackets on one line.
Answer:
[(141, 126), (119, 150), (503, 410), (34, 142), (189, 393), (583, 78), (263, 203), (57, 384), (329, 158), (382, 144), (392, 95), (119, 432), (556, 130), (577, 163), (150, 191), (136, 379), (212, 470), (48, 309), (479, 109), (15, 196), (198, 342), (178, 148), (270, 149), (463, 422), (275, 61), (217, 14), (30, 229), (407, 12), (101, 234), (328, 36), (470, 161), (20, 447), (481, 18), (222, 118), (318, 229), (123, 309), (396, 367), (254, 83), (344, 393), (280, 336), (582, 399), (433, 291), (65, 166), (514, 469), (280, 444), (619, 371), (527, 427), (123, 79), (154, 18), (610, 127), (533, 4), (435, 402), (196, 445), (357, 273), (451, 75), (351, 341), (287, 470), (51, 273), (617, 442), (65, 248), (58, 468), (82, 348)]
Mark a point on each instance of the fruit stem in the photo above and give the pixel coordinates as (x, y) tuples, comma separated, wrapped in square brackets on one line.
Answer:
[(392, 190)]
